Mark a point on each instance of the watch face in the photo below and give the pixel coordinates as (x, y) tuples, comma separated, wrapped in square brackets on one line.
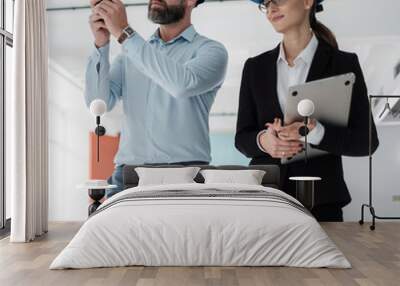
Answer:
[(126, 33), (129, 31)]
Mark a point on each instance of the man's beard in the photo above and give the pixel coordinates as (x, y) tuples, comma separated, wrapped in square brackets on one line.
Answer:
[(167, 15)]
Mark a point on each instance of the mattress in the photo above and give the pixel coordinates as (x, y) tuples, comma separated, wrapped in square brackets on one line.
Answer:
[(201, 225)]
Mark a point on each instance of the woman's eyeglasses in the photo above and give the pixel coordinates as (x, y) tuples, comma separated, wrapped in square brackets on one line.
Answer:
[(264, 6)]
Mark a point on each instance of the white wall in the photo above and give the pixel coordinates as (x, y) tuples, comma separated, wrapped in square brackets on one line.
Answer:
[(374, 34), (69, 126), (68, 160), (386, 177)]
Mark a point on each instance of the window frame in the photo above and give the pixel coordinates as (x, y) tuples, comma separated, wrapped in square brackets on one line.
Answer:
[(6, 39)]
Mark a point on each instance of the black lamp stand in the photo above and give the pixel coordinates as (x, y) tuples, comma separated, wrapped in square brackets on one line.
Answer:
[(99, 131), (370, 204)]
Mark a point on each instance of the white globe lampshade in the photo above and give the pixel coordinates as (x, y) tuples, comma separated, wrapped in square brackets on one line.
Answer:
[(98, 107), (305, 107)]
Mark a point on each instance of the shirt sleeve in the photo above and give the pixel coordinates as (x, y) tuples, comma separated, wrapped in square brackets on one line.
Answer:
[(103, 81), (316, 135), (258, 138), (203, 73)]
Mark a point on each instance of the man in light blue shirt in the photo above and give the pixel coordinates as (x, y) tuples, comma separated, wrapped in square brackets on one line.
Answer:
[(167, 84)]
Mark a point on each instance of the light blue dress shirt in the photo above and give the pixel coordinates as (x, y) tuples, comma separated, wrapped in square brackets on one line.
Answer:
[(167, 90)]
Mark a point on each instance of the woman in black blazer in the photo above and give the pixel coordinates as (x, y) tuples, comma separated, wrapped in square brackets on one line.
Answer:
[(308, 52)]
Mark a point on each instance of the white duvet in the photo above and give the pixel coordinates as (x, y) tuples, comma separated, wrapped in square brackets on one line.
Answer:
[(200, 231)]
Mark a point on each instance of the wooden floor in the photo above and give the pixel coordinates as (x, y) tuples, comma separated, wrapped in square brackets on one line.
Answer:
[(375, 257)]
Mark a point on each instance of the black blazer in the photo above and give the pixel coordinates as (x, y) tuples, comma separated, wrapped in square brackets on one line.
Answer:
[(258, 104)]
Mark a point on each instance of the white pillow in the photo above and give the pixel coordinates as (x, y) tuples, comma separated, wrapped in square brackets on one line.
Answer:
[(165, 176), (248, 177)]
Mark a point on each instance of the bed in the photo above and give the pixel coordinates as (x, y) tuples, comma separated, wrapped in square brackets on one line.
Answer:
[(198, 224)]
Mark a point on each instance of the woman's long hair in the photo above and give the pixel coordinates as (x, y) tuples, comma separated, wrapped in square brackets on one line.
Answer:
[(320, 30)]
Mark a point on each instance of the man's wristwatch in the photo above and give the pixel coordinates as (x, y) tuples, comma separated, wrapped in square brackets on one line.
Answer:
[(128, 32)]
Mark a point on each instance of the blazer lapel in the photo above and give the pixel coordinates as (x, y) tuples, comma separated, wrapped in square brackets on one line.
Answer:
[(272, 83), (320, 61)]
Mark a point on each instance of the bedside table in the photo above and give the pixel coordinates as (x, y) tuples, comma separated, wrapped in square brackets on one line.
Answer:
[(305, 190), (96, 193)]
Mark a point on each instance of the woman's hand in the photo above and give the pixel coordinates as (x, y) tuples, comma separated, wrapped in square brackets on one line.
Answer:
[(276, 147), (291, 132)]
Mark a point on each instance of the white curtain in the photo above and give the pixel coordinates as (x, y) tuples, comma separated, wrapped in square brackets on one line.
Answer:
[(28, 120)]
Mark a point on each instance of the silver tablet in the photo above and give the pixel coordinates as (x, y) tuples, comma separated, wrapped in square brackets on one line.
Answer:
[(332, 99)]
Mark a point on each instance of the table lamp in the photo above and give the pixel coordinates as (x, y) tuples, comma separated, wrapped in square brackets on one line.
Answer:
[(305, 108), (98, 107)]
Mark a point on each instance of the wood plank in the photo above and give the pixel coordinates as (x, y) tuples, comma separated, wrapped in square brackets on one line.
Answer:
[(375, 257)]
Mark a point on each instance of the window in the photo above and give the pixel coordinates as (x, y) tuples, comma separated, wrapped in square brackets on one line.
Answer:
[(9, 19), (6, 43)]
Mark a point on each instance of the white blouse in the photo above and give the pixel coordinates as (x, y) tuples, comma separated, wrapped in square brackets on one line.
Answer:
[(288, 76)]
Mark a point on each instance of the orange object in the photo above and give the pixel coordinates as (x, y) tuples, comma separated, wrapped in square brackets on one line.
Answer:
[(108, 148)]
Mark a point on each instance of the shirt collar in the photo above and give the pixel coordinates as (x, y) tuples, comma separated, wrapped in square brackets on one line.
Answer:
[(306, 55), (188, 34)]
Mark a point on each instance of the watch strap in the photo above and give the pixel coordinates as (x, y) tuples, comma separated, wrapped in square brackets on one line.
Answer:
[(122, 37), (126, 33)]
